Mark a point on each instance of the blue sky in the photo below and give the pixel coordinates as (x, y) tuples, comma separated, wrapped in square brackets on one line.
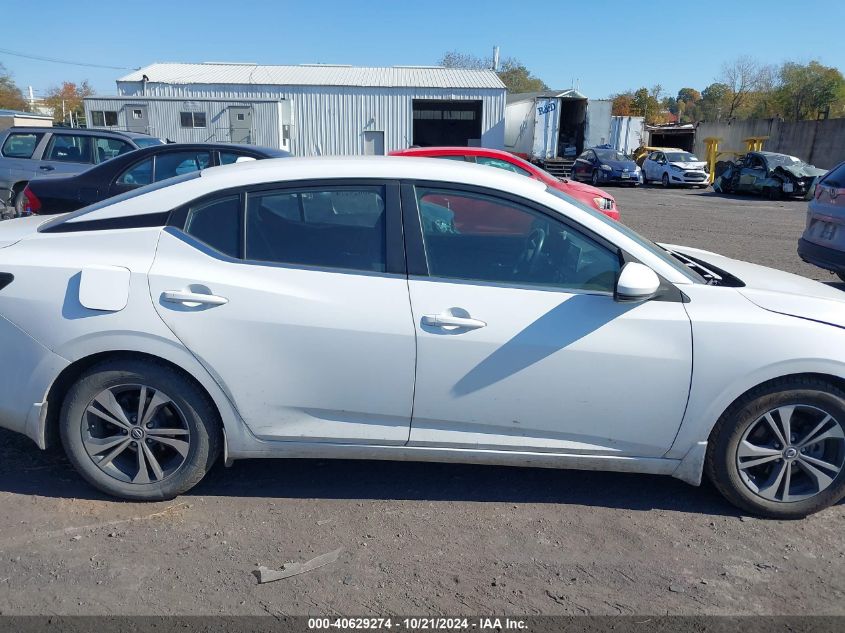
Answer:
[(597, 42)]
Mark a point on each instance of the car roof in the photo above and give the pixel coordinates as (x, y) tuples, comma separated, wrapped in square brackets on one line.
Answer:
[(453, 151), (175, 147), (77, 130), (284, 170)]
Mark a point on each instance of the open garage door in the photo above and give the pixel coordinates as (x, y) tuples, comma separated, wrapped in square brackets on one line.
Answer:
[(456, 123)]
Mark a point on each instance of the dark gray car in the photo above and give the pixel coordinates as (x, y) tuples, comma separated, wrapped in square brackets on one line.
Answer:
[(32, 152)]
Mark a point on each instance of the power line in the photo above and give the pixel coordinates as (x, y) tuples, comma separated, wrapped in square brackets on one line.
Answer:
[(62, 61)]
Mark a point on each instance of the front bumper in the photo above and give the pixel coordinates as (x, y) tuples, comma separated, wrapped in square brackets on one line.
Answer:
[(821, 256), (632, 178), (30, 369), (688, 178)]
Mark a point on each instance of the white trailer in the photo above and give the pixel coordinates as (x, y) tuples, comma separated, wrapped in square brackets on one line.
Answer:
[(552, 128)]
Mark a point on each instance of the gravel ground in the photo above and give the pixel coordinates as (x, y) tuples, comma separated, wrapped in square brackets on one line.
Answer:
[(431, 539)]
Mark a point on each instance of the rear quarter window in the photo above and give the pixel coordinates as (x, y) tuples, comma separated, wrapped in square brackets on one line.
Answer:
[(21, 145), (836, 177)]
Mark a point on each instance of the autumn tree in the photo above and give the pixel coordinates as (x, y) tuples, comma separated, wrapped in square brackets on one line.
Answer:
[(11, 97), (513, 73), (806, 90), (67, 100), (743, 76)]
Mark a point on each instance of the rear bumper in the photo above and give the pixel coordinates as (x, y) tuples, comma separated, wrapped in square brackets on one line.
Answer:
[(30, 369), (821, 256)]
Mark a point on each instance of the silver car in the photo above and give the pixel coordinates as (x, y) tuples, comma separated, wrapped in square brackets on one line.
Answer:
[(31, 152), (823, 242)]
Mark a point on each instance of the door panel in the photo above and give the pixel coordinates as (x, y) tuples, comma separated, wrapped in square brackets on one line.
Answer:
[(520, 343), (305, 354)]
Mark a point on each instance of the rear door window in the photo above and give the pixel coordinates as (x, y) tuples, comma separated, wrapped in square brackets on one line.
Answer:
[(70, 148), (331, 227), (227, 158), (172, 164), (108, 148), (137, 175), (217, 223), (21, 145)]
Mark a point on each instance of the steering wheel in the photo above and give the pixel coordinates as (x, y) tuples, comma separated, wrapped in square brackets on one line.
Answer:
[(530, 256)]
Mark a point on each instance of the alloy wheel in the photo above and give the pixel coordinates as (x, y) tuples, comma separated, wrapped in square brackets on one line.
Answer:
[(135, 434), (791, 453)]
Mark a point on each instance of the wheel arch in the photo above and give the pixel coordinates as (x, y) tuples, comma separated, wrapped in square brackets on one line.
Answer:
[(227, 417)]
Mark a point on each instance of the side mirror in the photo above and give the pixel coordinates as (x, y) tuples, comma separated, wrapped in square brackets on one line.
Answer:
[(637, 282)]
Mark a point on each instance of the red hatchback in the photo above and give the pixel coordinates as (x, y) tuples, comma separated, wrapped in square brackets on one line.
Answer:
[(593, 197)]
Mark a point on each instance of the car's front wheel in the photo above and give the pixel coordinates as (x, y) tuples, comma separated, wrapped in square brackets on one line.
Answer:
[(779, 451), (595, 177), (665, 180), (139, 430)]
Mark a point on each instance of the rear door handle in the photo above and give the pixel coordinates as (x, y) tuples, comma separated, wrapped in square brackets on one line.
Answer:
[(47, 167), (447, 320), (181, 296)]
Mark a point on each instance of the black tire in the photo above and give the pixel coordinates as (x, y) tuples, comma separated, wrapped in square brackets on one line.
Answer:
[(774, 193), (198, 415), (721, 461), (664, 180), (595, 177)]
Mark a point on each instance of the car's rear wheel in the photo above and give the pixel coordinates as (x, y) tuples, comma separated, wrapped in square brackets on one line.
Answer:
[(779, 451), (665, 179), (774, 193), (139, 430)]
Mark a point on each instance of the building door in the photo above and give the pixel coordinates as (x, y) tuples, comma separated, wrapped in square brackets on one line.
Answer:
[(374, 143), (240, 124), (453, 123), (137, 119)]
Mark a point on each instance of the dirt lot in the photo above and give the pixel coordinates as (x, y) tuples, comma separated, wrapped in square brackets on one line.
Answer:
[(430, 539)]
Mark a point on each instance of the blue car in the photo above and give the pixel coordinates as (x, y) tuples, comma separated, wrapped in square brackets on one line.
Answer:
[(602, 166)]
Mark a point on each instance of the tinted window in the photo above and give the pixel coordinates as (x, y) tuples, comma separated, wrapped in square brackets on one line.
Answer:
[(147, 141), (227, 158), (334, 228), (836, 178), (137, 175), (70, 148), (171, 164), (501, 164), (110, 147), (101, 118), (21, 145), (460, 158), (478, 237), (217, 223)]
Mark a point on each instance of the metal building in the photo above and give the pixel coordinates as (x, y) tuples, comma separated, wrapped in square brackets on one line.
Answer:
[(309, 109)]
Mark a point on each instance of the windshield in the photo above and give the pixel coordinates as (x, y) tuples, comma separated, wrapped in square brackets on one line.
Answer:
[(782, 160), (653, 248), (682, 157), (612, 154), (141, 141)]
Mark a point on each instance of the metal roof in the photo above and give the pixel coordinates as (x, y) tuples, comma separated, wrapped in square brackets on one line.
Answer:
[(569, 93), (21, 114), (317, 75)]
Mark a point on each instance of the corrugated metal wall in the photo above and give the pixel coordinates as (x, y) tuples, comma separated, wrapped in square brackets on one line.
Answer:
[(165, 122), (326, 119)]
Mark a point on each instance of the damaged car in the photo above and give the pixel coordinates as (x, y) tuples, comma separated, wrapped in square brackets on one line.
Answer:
[(767, 173)]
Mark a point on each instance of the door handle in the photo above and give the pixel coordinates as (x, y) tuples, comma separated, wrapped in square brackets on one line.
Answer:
[(447, 320), (46, 167), (182, 296)]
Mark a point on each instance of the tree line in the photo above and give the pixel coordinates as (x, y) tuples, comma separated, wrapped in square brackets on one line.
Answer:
[(745, 89), (64, 101)]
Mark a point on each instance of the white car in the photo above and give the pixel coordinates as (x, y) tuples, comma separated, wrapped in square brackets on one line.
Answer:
[(675, 167), (400, 308)]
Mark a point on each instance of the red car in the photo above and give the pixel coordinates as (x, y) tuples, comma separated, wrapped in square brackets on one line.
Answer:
[(593, 197)]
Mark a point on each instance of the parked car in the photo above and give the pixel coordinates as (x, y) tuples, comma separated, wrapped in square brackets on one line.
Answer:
[(591, 196), (823, 242), (675, 167), (30, 152), (768, 174), (351, 308), (598, 166), (45, 196)]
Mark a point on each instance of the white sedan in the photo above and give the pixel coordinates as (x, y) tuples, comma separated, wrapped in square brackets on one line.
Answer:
[(675, 167), (397, 308)]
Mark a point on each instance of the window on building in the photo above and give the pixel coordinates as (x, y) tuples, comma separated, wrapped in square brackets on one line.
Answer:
[(192, 119), (104, 118)]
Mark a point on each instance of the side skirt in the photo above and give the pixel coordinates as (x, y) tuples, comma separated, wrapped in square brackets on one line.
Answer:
[(684, 469)]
